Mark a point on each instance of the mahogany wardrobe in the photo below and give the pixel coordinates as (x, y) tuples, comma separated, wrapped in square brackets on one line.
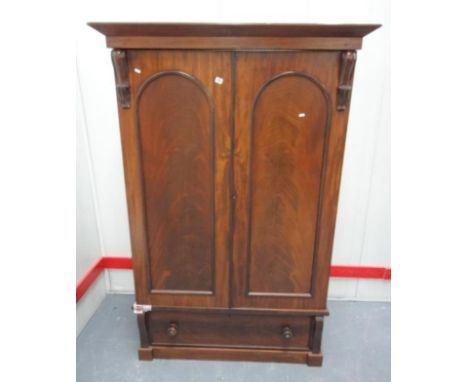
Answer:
[(233, 139)]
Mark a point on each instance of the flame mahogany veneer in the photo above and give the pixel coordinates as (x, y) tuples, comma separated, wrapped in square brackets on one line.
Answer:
[(233, 139)]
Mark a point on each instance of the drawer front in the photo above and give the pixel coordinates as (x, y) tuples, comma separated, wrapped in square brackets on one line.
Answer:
[(222, 330)]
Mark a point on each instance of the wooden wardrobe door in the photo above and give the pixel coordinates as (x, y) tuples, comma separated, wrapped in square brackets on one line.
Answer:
[(176, 139), (283, 116)]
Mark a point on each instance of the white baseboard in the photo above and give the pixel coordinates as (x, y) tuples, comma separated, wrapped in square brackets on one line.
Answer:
[(89, 303)]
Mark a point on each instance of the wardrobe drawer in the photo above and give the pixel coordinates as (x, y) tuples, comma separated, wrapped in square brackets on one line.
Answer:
[(222, 330)]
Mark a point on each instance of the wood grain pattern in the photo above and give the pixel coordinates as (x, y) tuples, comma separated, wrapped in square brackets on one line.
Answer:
[(316, 337), (233, 43), (119, 62), (229, 331), (238, 311), (314, 359), (348, 62), (142, 321), (290, 118), (233, 142), (233, 36), (162, 268), (175, 118), (145, 354), (245, 30), (259, 355), (285, 170)]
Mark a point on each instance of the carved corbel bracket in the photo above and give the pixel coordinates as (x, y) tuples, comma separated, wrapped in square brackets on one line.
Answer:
[(120, 63), (347, 64)]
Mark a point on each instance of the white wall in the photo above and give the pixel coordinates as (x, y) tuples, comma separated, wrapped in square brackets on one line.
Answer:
[(363, 224), (88, 246)]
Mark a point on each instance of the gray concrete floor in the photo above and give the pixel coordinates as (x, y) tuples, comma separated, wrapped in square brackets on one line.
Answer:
[(355, 344)]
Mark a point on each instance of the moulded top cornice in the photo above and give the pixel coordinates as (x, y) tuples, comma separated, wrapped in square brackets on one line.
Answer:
[(234, 36), (233, 30)]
